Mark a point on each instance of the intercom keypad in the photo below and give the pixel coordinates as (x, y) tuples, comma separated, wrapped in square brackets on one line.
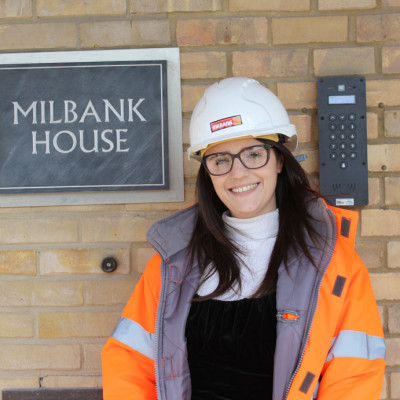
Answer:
[(343, 146), (342, 136)]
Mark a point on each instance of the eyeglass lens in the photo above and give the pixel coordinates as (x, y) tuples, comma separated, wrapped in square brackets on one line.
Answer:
[(251, 157)]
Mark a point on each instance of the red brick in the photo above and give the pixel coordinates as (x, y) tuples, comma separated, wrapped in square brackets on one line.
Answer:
[(344, 61), (371, 253), (384, 157), (267, 63), (17, 262), (392, 120), (81, 261), (395, 385), (160, 6), (380, 223), (62, 8), (372, 124), (374, 193), (201, 32), (122, 228), (125, 33), (38, 230), (298, 95), (270, 5), (309, 30), (390, 60), (394, 318), (392, 352), (207, 32), (378, 28), (391, 3), (386, 91), (303, 126), (76, 324), (16, 9), (392, 190), (16, 357), (345, 4), (393, 250), (31, 293), (310, 165), (210, 64), (191, 95), (38, 36)]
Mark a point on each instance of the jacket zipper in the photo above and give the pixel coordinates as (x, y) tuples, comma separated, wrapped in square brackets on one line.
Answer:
[(315, 303), (157, 344)]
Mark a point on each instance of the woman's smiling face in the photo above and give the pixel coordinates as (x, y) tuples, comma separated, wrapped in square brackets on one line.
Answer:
[(246, 192)]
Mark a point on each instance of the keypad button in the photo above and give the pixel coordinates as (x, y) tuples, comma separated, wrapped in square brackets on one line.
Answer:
[(332, 136), (333, 156), (333, 146), (342, 136), (332, 127), (352, 146), (343, 146), (352, 136), (342, 127), (332, 117), (343, 155), (353, 155), (352, 126), (342, 117), (343, 165), (352, 117)]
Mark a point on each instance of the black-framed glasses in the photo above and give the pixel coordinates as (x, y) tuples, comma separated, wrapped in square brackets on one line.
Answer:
[(252, 157)]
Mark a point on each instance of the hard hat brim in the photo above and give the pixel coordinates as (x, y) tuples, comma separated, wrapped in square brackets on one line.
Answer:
[(289, 131)]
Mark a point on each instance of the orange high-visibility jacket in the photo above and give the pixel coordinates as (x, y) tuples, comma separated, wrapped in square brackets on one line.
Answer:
[(329, 344)]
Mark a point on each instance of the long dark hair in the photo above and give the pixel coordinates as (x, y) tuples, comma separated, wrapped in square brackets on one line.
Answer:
[(209, 244)]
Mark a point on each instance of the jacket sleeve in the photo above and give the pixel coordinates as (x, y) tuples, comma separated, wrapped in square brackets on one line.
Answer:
[(127, 357), (355, 365)]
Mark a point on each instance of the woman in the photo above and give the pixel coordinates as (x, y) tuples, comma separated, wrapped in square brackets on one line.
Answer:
[(256, 291)]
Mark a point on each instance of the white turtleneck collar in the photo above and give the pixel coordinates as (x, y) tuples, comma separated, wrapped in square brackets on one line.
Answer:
[(256, 238), (261, 227)]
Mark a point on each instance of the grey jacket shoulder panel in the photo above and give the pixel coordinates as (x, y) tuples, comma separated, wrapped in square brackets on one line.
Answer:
[(171, 235), (323, 221)]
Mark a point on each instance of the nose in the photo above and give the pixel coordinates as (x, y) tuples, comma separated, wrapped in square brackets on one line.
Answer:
[(238, 169)]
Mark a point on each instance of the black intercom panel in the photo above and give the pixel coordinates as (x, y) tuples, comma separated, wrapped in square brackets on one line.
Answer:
[(342, 135)]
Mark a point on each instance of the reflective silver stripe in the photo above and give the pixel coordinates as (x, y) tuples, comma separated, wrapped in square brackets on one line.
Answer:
[(357, 344), (135, 336)]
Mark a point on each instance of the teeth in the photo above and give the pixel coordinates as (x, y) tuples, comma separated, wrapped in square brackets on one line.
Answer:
[(244, 188)]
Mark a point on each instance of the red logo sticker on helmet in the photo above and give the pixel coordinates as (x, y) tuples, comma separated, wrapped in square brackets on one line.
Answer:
[(226, 123)]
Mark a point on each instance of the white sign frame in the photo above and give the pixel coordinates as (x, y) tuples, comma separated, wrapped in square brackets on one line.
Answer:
[(175, 193)]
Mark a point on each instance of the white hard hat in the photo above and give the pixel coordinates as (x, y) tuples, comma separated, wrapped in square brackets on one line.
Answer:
[(235, 108)]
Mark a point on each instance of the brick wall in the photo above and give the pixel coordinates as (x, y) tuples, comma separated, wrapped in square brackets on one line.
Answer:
[(56, 305)]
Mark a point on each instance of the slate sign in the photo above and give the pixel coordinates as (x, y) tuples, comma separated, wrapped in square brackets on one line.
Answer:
[(83, 126)]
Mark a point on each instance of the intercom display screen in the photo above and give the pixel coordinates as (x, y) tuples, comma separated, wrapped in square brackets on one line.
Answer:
[(344, 99)]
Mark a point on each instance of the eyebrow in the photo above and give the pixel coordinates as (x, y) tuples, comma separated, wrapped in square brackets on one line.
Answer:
[(228, 152)]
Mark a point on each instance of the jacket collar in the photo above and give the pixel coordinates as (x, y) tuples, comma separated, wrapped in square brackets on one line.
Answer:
[(172, 234)]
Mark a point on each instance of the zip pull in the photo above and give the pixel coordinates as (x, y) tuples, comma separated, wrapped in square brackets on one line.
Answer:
[(287, 316)]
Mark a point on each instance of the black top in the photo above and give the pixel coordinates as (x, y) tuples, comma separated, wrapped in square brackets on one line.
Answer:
[(231, 347)]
